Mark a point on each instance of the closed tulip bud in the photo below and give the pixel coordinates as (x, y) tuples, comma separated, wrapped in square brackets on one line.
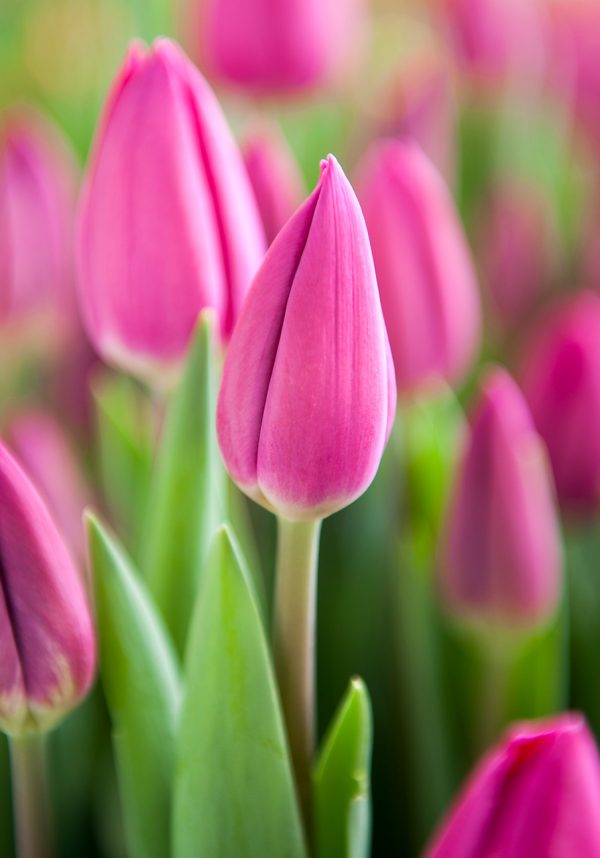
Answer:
[(46, 633), (424, 269), (500, 562), (308, 393), (268, 47), (561, 379), (275, 178), (168, 220), (536, 793)]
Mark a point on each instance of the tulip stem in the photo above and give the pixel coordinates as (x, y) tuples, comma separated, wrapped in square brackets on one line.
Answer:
[(31, 798), (294, 645)]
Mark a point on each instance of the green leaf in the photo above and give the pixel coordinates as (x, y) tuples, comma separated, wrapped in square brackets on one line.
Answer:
[(187, 494), (341, 780), (143, 691), (234, 794), (125, 428)]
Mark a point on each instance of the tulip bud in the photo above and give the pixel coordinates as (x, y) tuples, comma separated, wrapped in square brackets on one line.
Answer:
[(168, 223), (501, 559), (308, 393), (46, 633), (273, 48), (536, 793), (424, 269), (36, 211), (43, 449), (275, 178), (561, 379)]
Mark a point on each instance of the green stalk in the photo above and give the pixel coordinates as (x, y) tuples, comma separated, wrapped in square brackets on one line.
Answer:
[(31, 798), (294, 646)]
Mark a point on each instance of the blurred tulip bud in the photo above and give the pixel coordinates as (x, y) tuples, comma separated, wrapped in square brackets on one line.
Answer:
[(424, 268), (43, 449), (536, 793), (37, 184), (308, 393), (168, 224), (274, 176), (281, 47), (497, 40), (518, 250), (46, 634), (500, 562), (561, 379)]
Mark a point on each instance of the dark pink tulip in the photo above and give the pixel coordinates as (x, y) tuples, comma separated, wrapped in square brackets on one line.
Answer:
[(46, 634), (169, 224), (561, 379), (273, 47), (36, 216), (274, 176), (424, 268), (537, 793), (501, 558), (42, 448), (308, 394)]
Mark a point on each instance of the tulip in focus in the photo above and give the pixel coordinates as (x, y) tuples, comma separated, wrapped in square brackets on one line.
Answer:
[(308, 392), (276, 47), (424, 269), (168, 224), (275, 178), (46, 633), (537, 793), (501, 559), (561, 379)]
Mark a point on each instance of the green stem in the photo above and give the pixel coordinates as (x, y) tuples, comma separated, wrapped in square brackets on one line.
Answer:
[(294, 645), (31, 797)]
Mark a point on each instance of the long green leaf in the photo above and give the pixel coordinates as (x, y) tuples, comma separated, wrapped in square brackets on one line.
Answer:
[(341, 780), (187, 493), (234, 794), (143, 690)]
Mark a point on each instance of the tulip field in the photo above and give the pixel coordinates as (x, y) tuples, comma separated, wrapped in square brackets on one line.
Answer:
[(299, 428)]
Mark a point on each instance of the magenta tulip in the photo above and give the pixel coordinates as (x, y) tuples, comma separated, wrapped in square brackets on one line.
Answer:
[(46, 633), (537, 793), (561, 379), (308, 394), (424, 269), (169, 224), (500, 561), (274, 176), (268, 47)]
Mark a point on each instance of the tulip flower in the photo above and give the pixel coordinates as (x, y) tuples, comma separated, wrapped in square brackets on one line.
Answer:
[(42, 448), (168, 222), (424, 269), (561, 379), (536, 793), (307, 395), (46, 633), (275, 178), (36, 212), (501, 560), (275, 48)]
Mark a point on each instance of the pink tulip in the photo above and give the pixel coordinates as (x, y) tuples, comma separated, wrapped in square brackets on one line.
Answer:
[(537, 793), (424, 269), (275, 178), (168, 222), (42, 448), (269, 47), (46, 633), (308, 395), (501, 558), (561, 379), (36, 213)]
